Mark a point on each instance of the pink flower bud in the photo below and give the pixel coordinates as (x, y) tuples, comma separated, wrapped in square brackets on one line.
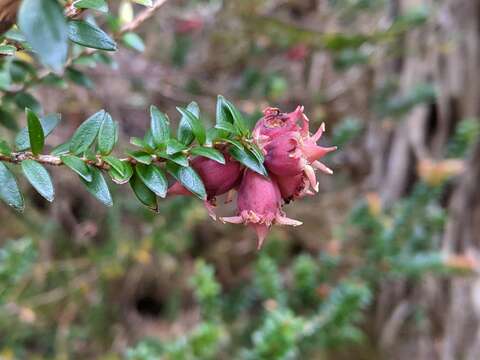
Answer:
[(217, 178), (293, 187), (259, 205), (275, 123), (294, 152)]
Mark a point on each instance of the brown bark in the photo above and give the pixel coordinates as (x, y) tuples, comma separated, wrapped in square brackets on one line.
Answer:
[(447, 53)]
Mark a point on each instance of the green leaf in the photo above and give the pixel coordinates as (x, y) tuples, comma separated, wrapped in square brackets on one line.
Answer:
[(115, 163), (228, 127), (7, 120), (5, 148), (106, 135), (141, 156), (99, 5), (98, 187), (148, 3), (237, 116), (86, 134), (132, 40), (44, 26), (223, 115), (174, 146), (7, 50), (209, 153), (25, 100), (245, 157), (188, 178), (178, 158), (195, 125), (257, 153), (143, 193), (159, 125), (39, 178), (135, 141), (35, 132), (78, 166), (89, 35), (79, 78), (9, 191), (49, 123), (61, 149), (154, 178), (185, 132), (119, 178)]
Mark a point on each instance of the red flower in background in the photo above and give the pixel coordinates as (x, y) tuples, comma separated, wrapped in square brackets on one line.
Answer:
[(187, 26)]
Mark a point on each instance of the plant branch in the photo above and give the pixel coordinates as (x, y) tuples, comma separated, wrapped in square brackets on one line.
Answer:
[(142, 17), (130, 26)]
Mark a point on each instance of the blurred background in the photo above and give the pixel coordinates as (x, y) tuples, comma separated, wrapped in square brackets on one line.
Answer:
[(386, 263)]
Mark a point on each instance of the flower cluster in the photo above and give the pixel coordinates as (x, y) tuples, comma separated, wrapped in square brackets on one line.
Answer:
[(291, 158)]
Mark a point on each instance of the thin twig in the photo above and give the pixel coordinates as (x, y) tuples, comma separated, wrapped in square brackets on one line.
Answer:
[(142, 17)]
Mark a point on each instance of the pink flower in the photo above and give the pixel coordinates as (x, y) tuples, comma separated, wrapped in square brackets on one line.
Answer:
[(291, 153), (259, 205), (217, 178), (275, 123), (293, 187)]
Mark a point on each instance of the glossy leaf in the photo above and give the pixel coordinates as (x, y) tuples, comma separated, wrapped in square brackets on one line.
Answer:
[(9, 191), (98, 187), (99, 5), (39, 178), (174, 146), (5, 148), (115, 163), (86, 134), (49, 123), (143, 193), (44, 26), (121, 178), (141, 156), (89, 35), (245, 157), (78, 166), (188, 178), (210, 153), (154, 178), (35, 132), (195, 125), (159, 125), (185, 133), (106, 135)]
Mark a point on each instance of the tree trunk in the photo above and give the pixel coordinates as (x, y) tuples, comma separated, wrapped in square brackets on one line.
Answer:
[(448, 54)]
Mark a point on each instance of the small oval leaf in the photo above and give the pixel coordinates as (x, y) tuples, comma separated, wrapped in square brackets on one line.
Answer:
[(9, 191), (86, 134), (35, 132), (154, 178), (210, 153), (143, 193), (78, 166), (89, 35), (98, 187), (188, 178), (159, 125), (49, 123), (106, 135), (39, 178), (245, 157), (194, 124)]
